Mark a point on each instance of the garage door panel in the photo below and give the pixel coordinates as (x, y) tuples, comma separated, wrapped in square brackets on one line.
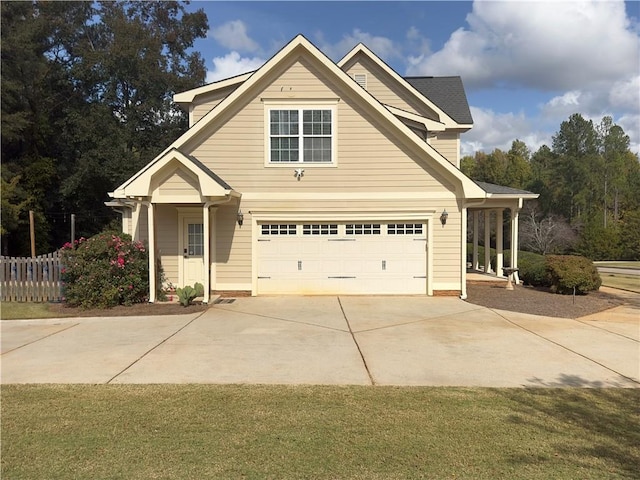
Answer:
[(368, 262)]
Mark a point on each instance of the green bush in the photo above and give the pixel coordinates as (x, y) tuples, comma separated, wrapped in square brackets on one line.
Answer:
[(105, 270), (567, 272), (199, 288), (533, 269)]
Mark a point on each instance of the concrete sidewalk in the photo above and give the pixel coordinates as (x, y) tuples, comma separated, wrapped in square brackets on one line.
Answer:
[(330, 340)]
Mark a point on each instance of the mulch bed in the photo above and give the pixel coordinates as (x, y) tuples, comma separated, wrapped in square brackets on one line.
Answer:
[(138, 309), (538, 301)]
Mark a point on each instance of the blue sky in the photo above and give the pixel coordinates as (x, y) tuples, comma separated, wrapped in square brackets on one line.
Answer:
[(526, 66)]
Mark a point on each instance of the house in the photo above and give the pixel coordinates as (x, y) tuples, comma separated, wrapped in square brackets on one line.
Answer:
[(313, 177)]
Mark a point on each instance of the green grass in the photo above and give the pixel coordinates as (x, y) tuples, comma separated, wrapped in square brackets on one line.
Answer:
[(618, 264), (25, 310), (257, 432), (625, 282)]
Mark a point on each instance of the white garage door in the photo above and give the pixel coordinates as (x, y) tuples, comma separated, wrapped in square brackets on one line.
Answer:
[(342, 258)]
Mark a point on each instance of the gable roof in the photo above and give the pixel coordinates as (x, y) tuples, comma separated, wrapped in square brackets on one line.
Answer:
[(446, 117), (299, 46), (446, 92), (139, 185)]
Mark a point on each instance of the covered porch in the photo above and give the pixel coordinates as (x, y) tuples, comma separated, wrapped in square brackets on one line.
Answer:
[(494, 221), (176, 196)]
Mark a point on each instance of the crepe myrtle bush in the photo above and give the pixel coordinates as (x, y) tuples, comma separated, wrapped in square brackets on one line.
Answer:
[(105, 270)]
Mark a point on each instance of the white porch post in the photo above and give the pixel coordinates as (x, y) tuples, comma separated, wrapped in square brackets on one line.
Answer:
[(463, 253), (476, 222), (207, 254), (487, 241), (499, 244), (514, 243), (152, 253)]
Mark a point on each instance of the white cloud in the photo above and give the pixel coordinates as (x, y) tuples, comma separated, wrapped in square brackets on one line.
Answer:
[(233, 35), (498, 130), (626, 93), (231, 65), (585, 53), (381, 46), (544, 45)]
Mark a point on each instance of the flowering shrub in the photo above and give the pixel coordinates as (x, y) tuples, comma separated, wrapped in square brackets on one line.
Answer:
[(104, 271)]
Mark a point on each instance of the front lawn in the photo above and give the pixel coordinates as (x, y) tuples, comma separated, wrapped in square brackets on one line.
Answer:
[(213, 431)]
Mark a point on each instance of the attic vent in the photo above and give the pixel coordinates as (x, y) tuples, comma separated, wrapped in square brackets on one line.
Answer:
[(361, 79)]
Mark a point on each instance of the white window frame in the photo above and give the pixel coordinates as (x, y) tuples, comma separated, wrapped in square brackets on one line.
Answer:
[(301, 107)]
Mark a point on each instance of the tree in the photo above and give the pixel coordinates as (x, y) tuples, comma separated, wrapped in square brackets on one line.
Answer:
[(576, 147), (518, 171), (544, 234), (86, 102)]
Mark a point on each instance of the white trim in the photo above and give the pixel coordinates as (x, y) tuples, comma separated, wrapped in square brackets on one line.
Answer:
[(430, 125), (190, 95), (499, 244), (152, 252), (463, 254), (421, 195), (265, 216)]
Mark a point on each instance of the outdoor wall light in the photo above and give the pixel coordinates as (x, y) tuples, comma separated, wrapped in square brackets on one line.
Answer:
[(240, 217), (443, 217)]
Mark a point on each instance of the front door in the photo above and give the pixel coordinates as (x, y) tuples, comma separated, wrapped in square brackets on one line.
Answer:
[(192, 251)]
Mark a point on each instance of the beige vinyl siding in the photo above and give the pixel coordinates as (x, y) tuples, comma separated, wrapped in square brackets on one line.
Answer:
[(205, 104), (167, 241), (233, 247), (385, 89), (368, 156), (179, 183), (448, 144)]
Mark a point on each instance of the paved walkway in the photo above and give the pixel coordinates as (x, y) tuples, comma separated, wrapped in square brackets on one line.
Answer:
[(330, 340)]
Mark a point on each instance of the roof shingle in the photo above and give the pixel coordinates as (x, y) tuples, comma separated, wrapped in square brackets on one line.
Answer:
[(447, 93)]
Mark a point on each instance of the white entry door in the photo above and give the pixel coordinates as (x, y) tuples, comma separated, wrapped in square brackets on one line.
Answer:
[(192, 251)]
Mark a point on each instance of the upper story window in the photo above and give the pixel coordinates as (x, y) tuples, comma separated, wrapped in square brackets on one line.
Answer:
[(301, 135)]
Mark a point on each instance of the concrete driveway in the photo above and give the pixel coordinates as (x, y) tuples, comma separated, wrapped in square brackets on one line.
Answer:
[(330, 340)]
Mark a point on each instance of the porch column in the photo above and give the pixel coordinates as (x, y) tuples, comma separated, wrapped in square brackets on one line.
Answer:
[(207, 254), (152, 252), (499, 244), (487, 241), (463, 254), (514, 243), (476, 224)]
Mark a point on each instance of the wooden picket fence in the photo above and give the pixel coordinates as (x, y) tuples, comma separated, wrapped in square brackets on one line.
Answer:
[(31, 279)]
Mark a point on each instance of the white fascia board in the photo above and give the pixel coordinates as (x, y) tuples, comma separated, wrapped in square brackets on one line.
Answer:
[(429, 124), (448, 121), (189, 96)]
